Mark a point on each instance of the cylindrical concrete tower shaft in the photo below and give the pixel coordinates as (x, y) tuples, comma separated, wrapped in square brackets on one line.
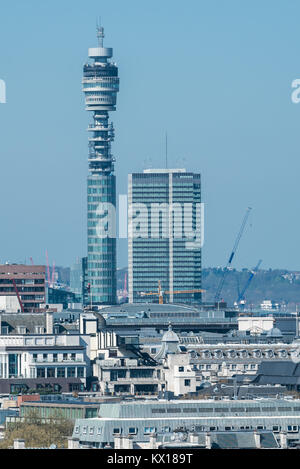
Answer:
[(100, 86)]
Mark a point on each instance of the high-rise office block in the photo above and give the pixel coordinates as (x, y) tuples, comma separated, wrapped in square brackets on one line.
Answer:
[(100, 85), (164, 235)]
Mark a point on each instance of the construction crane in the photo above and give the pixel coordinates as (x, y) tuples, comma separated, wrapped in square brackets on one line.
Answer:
[(19, 298), (48, 269), (238, 238), (160, 293), (253, 272), (53, 275)]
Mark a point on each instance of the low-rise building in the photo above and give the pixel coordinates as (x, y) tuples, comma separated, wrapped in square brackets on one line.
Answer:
[(140, 420), (43, 362)]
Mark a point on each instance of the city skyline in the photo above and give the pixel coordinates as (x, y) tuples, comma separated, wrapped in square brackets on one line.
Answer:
[(246, 157)]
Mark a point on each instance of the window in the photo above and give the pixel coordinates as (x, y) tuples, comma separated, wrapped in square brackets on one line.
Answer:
[(187, 382), (117, 431), (55, 357), (40, 372), (76, 429), (12, 365), (132, 431), (18, 388), (181, 368), (50, 372), (99, 431), (143, 373), (91, 430), (148, 430), (84, 429), (61, 372), (292, 428), (80, 372), (172, 410), (70, 372)]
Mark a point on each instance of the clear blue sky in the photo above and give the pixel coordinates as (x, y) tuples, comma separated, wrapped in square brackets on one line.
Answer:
[(215, 74)]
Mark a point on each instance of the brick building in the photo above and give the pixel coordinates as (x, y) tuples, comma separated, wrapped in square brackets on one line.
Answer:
[(25, 282)]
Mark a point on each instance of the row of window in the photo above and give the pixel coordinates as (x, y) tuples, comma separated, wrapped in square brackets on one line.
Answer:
[(54, 357), (101, 85), (101, 181), (60, 372), (224, 409), (149, 430)]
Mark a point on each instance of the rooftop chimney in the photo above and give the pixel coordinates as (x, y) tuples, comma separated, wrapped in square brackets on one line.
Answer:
[(208, 441), (257, 439), (49, 322), (283, 440)]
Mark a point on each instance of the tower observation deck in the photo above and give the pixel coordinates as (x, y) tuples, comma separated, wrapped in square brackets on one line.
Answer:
[(100, 86)]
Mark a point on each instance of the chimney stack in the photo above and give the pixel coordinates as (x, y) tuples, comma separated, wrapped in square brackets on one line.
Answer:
[(49, 322), (257, 439), (153, 441), (208, 441), (283, 440)]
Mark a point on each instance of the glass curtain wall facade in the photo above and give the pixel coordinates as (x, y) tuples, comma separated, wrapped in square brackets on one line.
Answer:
[(78, 283), (100, 86), (162, 205)]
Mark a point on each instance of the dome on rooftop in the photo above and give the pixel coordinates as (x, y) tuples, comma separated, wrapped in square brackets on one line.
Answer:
[(170, 344), (170, 335)]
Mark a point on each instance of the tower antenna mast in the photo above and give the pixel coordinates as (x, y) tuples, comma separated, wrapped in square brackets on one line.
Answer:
[(166, 150), (100, 33)]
